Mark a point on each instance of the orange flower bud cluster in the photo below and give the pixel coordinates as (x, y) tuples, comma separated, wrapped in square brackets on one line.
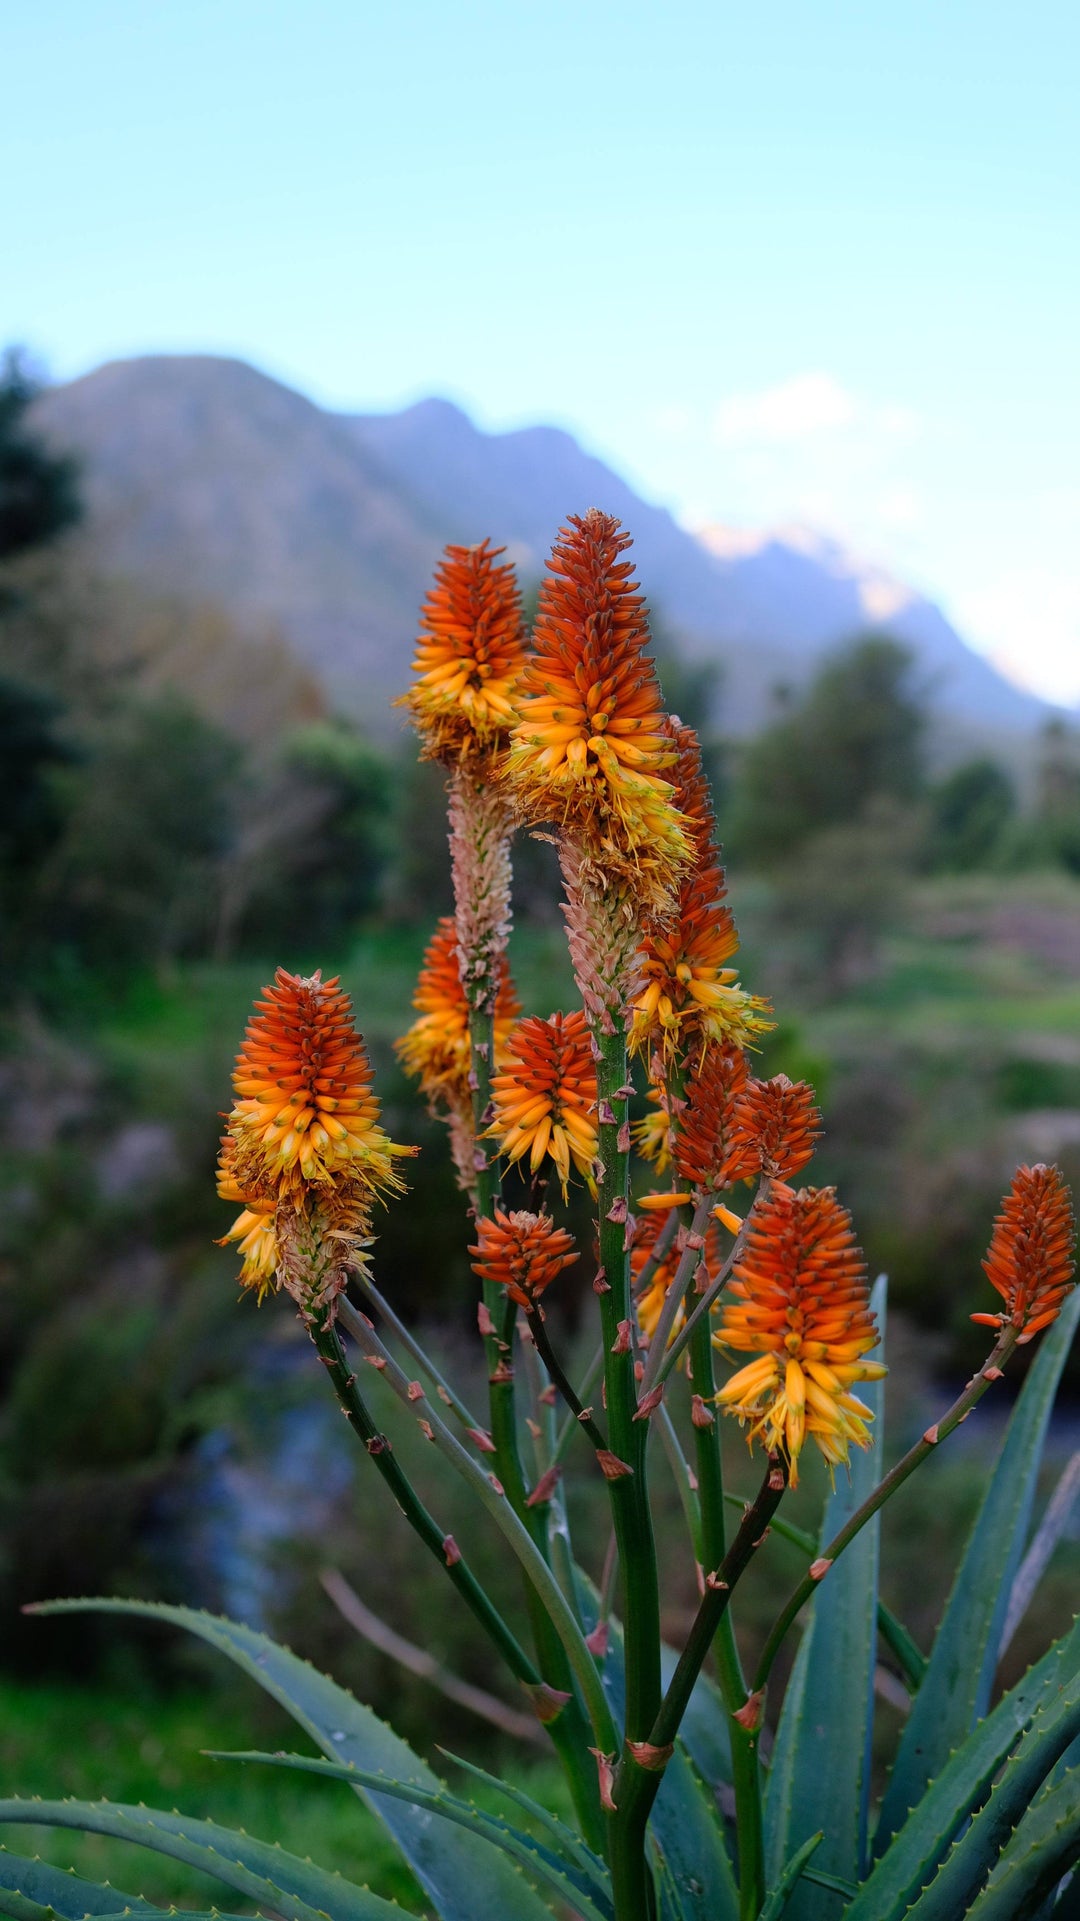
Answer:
[(469, 655), (304, 1151), (685, 986), (522, 1252), (544, 1095), (774, 1128), (589, 748), (800, 1302), (1031, 1258)]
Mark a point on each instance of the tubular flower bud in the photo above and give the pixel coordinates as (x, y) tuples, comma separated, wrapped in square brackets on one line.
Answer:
[(589, 748), (435, 1050), (304, 1152), (1030, 1260), (703, 1140), (774, 1128), (470, 652), (799, 1302), (649, 1301), (521, 1252), (684, 985), (544, 1095)]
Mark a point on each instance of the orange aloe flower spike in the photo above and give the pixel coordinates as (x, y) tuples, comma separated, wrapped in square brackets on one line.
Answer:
[(522, 1252), (469, 655), (1031, 1260), (544, 1095)]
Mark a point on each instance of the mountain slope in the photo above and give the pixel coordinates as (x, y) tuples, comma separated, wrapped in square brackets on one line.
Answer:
[(205, 477)]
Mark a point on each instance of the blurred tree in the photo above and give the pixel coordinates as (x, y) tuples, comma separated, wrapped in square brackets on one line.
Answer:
[(135, 876), (1056, 824), (856, 734), (311, 841), (31, 746), (38, 490), (969, 812), (846, 889)]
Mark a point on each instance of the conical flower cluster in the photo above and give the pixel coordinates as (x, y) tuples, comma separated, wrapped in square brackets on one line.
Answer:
[(304, 1152), (544, 1096), (1031, 1259), (706, 1120), (469, 655), (589, 750), (522, 1252), (685, 987), (799, 1302)]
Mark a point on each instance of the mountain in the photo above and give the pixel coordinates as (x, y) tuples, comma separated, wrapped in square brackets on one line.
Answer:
[(206, 478)]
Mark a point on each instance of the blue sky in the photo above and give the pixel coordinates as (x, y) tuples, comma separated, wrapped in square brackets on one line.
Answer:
[(784, 262)]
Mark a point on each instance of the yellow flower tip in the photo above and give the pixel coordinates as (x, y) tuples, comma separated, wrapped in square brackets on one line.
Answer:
[(799, 1301), (728, 1218), (469, 655), (659, 1202), (544, 1096), (589, 749)]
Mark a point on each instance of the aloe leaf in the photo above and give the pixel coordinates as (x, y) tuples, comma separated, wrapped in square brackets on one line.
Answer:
[(961, 1787), (567, 1881), (826, 1723), (294, 1889), (1045, 1846), (38, 1884), (570, 1843), (464, 1879), (955, 1690), (1052, 1727), (776, 1903)]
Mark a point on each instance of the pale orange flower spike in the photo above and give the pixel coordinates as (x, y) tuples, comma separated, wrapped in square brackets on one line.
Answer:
[(1031, 1255), (469, 655), (685, 987), (589, 749), (304, 1152), (544, 1095), (522, 1252), (435, 1049), (800, 1302)]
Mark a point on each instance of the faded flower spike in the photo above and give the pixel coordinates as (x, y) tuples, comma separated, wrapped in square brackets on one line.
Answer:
[(685, 986), (544, 1095), (800, 1302), (589, 748), (436, 1047), (304, 1152), (1031, 1255), (522, 1252), (469, 655), (774, 1129)]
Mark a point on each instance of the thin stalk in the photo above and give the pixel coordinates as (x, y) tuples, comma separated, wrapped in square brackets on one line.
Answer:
[(713, 1292), (439, 1543), (683, 1477), (492, 1497), (639, 1775), (673, 1299), (745, 1768), (447, 1394), (592, 1375), (632, 1884), (989, 1372), (583, 1416), (659, 1253)]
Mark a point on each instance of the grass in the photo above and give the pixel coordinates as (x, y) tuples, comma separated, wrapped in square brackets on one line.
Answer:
[(58, 1740)]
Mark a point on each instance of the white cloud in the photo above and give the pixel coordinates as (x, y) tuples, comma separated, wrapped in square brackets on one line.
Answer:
[(810, 406), (1028, 621)]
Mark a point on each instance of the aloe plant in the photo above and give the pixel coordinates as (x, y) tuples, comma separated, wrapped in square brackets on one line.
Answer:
[(679, 1816)]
